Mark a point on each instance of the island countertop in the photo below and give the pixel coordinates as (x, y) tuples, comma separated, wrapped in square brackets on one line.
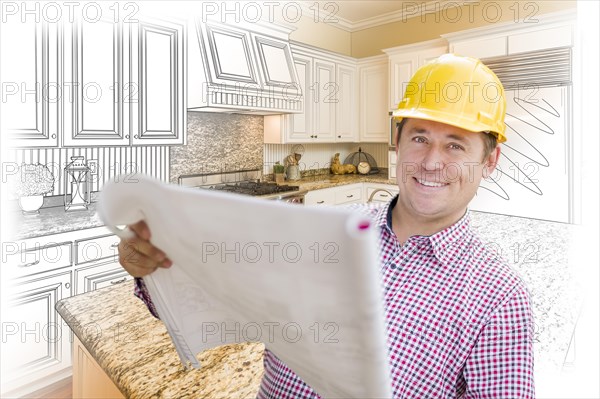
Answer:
[(136, 352)]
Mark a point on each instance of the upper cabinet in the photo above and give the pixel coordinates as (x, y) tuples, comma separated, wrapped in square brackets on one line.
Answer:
[(128, 83), (85, 83), (329, 86), (158, 90), (30, 68), (405, 60), (374, 119)]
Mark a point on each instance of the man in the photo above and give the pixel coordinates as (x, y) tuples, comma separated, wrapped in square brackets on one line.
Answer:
[(458, 319)]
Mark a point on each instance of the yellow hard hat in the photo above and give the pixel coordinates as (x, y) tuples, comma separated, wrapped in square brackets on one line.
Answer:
[(458, 91)]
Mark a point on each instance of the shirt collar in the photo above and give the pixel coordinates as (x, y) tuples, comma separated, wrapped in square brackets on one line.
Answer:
[(447, 244)]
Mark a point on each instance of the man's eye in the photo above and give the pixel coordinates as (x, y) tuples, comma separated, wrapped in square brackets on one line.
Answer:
[(456, 147), (419, 139)]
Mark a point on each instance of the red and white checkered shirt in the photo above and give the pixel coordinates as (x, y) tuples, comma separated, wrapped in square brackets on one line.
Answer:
[(458, 319)]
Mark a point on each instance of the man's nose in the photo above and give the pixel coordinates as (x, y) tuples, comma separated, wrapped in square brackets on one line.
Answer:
[(433, 158)]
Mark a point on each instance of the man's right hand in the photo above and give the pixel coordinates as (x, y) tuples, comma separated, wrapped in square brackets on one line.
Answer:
[(138, 256)]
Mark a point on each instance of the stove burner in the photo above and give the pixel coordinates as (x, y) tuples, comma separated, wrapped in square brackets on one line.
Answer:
[(255, 188)]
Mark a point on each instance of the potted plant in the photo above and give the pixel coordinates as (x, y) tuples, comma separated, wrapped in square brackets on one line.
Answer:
[(278, 170), (31, 182)]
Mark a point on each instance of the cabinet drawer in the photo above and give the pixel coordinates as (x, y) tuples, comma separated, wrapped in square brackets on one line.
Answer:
[(96, 248), (344, 196), (32, 258), (320, 197), (99, 275)]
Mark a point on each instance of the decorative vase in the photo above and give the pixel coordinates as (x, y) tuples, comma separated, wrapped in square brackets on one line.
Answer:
[(31, 204)]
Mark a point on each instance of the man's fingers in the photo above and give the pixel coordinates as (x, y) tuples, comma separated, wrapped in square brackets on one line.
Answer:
[(141, 229)]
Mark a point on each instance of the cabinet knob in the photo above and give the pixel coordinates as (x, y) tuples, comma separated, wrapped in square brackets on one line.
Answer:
[(126, 136), (320, 202), (67, 285), (54, 136), (350, 196), (135, 137), (339, 137)]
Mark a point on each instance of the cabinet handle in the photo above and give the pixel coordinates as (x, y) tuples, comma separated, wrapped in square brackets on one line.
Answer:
[(67, 285), (29, 264), (315, 136), (350, 196), (135, 137), (339, 137), (384, 195), (118, 281), (54, 136), (126, 136), (115, 245), (320, 202)]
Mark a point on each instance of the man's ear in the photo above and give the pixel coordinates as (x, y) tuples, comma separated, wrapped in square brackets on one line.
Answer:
[(491, 161)]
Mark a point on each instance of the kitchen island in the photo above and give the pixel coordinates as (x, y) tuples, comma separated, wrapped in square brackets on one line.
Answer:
[(136, 353)]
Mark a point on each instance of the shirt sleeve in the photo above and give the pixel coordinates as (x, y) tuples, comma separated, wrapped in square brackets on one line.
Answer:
[(501, 363), (141, 291)]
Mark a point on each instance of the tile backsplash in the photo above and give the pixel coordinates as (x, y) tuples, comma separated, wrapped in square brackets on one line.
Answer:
[(218, 143)]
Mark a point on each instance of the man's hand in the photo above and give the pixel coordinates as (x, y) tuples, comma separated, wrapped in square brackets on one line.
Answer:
[(138, 256)]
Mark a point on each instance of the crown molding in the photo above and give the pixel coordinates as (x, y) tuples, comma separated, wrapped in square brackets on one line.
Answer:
[(502, 28), (416, 46), (429, 7)]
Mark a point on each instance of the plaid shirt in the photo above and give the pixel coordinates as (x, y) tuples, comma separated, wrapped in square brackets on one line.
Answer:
[(458, 320)]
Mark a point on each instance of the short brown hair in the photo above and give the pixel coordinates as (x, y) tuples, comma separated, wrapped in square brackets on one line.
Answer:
[(489, 139)]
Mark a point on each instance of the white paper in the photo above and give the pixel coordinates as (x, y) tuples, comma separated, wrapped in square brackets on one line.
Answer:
[(303, 280)]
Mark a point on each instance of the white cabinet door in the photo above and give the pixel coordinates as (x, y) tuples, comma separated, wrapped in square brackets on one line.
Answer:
[(158, 112), (349, 194), (30, 64), (374, 118), (325, 92), (299, 126), (99, 275), (97, 62), (401, 70), (347, 104), (35, 340), (533, 175)]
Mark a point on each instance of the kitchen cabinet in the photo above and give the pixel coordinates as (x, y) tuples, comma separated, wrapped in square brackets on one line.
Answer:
[(374, 119), (158, 88), (89, 380), (329, 86), (340, 195), (392, 163), (30, 77), (126, 83), (38, 272), (405, 60)]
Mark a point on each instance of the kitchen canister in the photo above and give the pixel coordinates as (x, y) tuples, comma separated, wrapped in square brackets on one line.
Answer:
[(293, 172)]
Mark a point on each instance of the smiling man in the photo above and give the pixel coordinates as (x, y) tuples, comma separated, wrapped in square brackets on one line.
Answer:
[(458, 319)]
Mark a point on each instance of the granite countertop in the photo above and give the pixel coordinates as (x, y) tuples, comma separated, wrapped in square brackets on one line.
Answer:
[(53, 219), (318, 182), (136, 352)]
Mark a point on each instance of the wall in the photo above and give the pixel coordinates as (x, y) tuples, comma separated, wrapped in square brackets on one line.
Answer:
[(368, 42), (112, 162), (322, 35), (318, 156), (218, 142)]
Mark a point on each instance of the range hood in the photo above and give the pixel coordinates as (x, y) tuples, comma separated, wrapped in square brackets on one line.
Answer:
[(242, 69)]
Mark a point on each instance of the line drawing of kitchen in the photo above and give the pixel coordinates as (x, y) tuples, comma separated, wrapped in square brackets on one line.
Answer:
[(209, 97)]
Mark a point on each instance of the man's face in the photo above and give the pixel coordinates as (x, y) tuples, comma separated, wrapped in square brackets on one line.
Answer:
[(439, 169)]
